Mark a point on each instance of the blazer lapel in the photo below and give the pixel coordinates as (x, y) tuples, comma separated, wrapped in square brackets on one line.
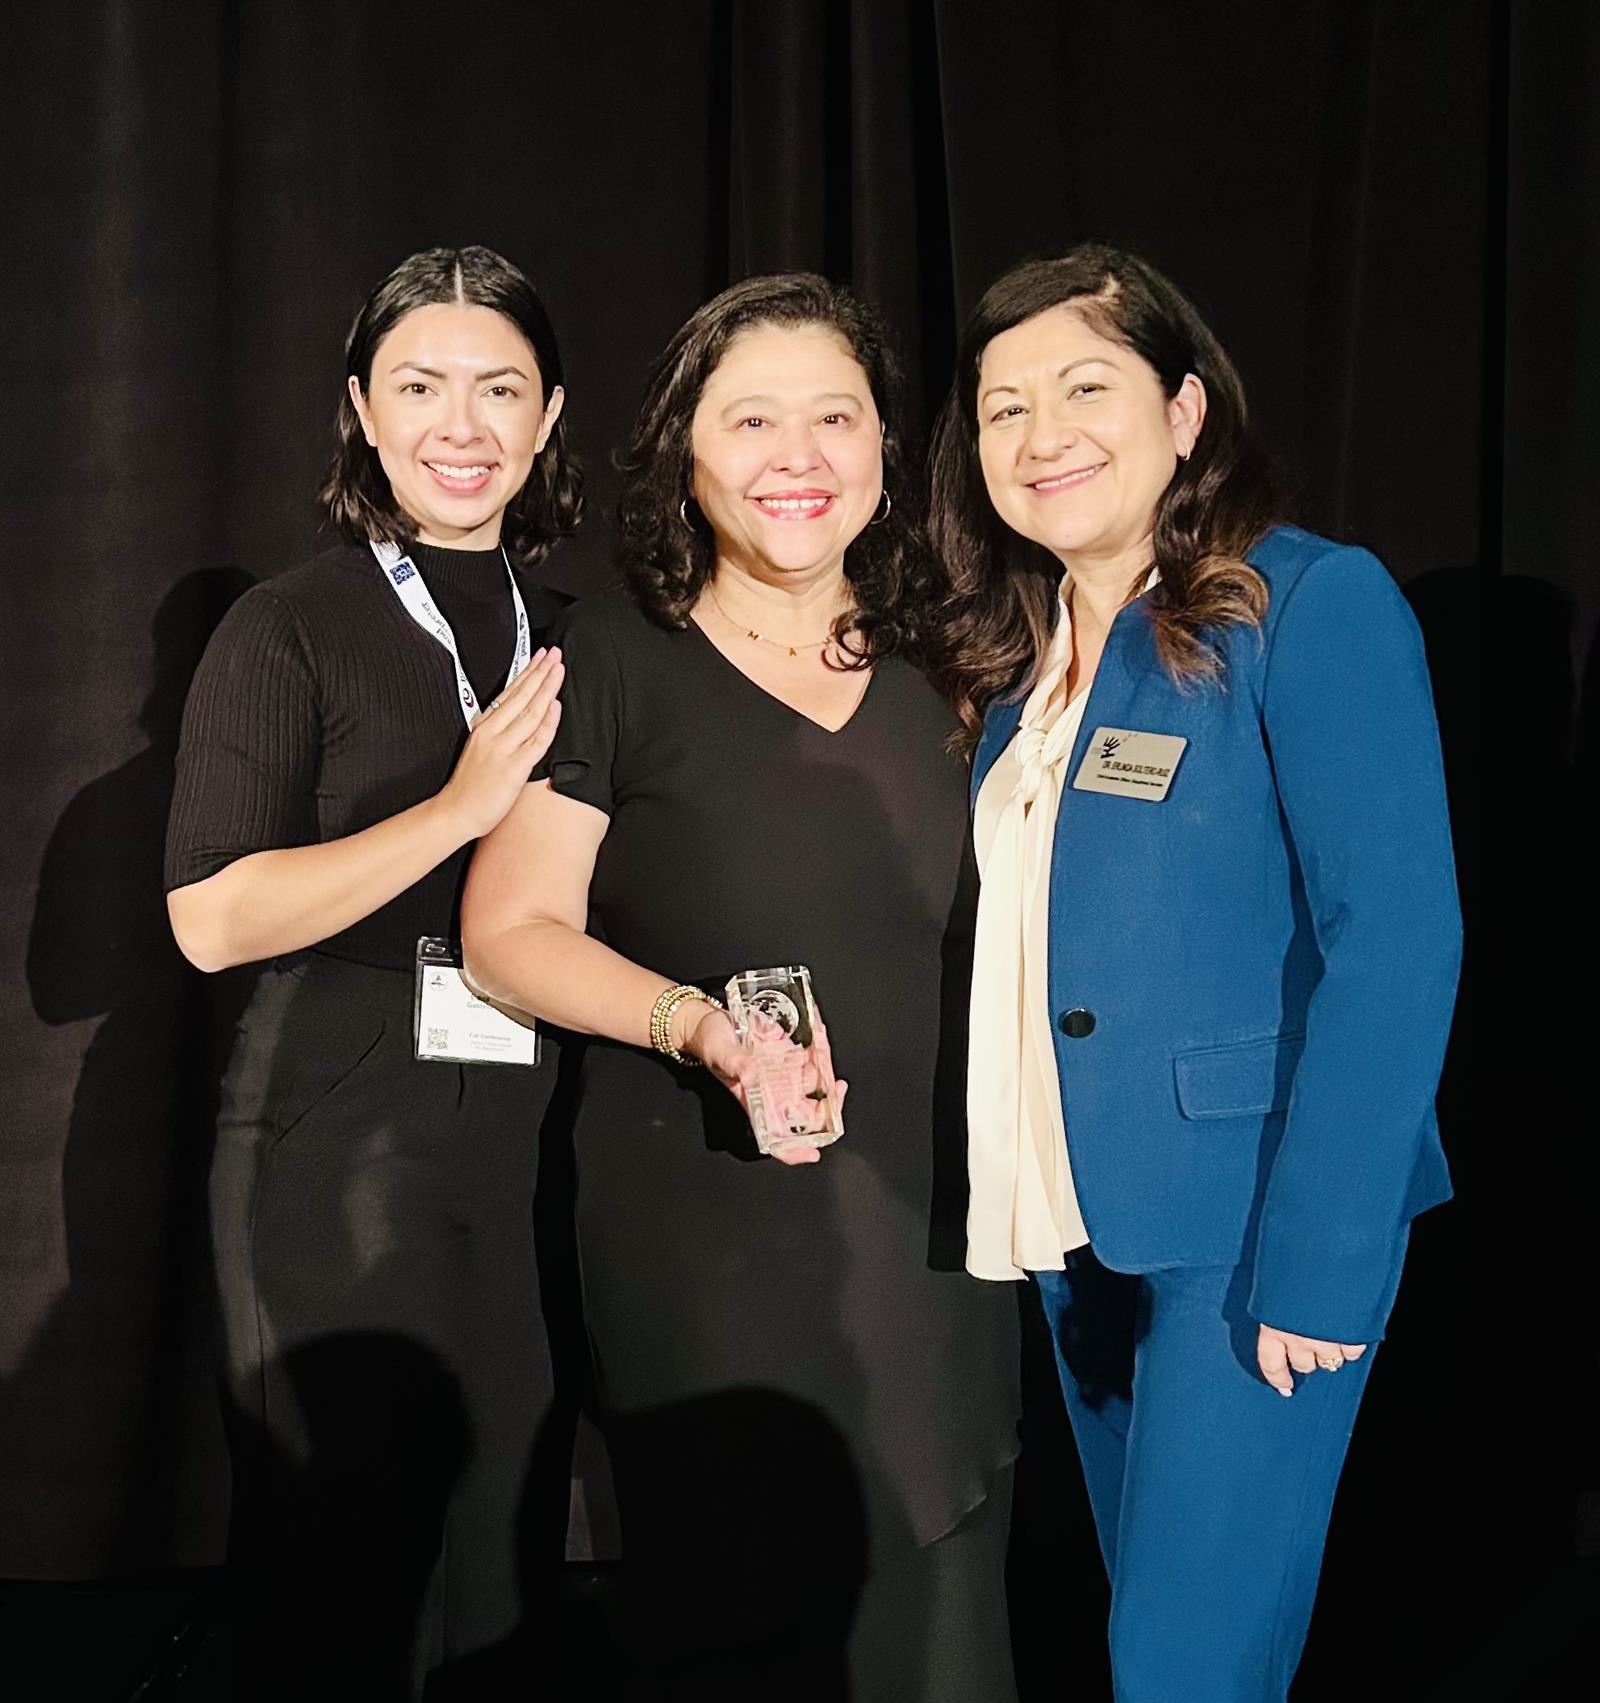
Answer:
[(1129, 670), (999, 724), (1126, 663)]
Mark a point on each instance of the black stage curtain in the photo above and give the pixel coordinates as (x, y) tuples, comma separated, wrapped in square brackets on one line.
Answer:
[(1382, 206)]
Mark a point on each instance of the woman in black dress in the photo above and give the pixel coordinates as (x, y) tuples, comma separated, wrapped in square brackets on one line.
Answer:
[(387, 1367), (810, 1409)]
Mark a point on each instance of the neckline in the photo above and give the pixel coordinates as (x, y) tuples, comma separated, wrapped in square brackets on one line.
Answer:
[(476, 574), (782, 703)]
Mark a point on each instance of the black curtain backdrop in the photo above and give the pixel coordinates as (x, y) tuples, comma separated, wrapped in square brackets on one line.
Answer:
[(1384, 206)]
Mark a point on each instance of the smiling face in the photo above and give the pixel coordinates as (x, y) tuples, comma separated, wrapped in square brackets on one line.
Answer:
[(457, 412), (788, 451), (1076, 439)]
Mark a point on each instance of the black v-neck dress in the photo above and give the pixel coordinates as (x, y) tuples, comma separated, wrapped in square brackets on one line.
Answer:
[(759, 1327)]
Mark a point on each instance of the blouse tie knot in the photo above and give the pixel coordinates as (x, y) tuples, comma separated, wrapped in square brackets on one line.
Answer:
[(1032, 764)]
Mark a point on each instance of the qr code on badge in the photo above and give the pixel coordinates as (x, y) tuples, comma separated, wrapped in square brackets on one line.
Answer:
[(438, 1040)]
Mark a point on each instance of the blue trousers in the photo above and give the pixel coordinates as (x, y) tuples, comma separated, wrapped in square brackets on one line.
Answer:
[(1211, 1493)]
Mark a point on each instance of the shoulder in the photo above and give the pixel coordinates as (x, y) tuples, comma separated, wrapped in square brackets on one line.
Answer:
[(608, 648), (607, 620), (287, 617), (1315, 584), (337, 586), (544, 603), (340, 575), (1335, 616), (1289, 558)]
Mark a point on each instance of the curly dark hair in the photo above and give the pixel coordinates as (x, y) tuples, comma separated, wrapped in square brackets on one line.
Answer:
[(667, 560), (356, 496), (994, 629)]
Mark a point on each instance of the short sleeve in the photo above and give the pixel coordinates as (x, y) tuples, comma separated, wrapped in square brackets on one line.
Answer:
[(248, 757), (582, 757)]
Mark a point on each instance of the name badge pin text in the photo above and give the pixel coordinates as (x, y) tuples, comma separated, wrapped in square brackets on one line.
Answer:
[(1129, 763)]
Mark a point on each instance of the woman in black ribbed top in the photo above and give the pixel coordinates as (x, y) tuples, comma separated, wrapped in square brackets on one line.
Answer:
[(322, 710), (387, 1365)]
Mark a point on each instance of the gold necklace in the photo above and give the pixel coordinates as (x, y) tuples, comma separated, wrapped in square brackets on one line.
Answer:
[(761, 638)]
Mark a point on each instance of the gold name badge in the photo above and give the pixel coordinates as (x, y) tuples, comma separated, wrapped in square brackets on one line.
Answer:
[(1130, 764)]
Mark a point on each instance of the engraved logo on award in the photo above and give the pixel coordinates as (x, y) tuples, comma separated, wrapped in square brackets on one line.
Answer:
[(794, 1099)]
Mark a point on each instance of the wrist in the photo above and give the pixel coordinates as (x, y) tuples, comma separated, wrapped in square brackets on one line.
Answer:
[(686, 1021), (446, 819), (671, 1024)]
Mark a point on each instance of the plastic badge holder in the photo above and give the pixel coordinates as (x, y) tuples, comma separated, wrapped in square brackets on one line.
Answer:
[(794, 1098), (452, 1025)]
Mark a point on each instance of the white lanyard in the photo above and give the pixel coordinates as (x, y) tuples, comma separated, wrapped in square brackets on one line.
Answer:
[(401, 573)]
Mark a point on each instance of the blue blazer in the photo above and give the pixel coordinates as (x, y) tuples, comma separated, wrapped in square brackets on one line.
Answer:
[(1260, 969)]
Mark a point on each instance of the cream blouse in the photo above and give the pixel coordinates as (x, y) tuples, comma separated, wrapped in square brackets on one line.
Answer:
[(1023, 1212)]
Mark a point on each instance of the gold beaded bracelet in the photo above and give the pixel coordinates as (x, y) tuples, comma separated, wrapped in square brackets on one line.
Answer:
[(661, 1014)]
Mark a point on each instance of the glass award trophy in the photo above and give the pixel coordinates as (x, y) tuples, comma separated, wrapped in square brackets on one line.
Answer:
[(793, 1099)]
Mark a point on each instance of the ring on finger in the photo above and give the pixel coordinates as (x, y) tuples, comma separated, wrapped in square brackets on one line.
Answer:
[(1330, 1362)]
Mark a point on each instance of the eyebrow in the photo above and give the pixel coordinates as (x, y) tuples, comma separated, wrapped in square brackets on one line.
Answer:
[(478, 378), (823, 396), (1082, 361)]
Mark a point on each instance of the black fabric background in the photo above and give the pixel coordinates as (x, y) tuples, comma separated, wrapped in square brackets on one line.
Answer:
[(1383, 207)]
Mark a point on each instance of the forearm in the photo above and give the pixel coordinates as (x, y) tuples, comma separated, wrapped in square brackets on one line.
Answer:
[(565, 977), (273, 902)]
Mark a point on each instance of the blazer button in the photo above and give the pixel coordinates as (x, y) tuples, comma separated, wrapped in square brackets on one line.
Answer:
[(1077, 1022)]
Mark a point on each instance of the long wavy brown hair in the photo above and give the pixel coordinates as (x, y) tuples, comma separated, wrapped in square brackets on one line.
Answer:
[(1000, 606)]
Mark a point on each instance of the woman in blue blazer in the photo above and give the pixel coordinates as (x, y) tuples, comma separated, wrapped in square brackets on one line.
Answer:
[(1216, 953)]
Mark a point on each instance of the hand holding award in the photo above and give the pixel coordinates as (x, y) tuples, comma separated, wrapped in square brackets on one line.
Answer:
[(791, 1093)]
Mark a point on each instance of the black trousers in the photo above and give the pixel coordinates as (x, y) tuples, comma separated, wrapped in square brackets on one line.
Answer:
[(400, 1465)]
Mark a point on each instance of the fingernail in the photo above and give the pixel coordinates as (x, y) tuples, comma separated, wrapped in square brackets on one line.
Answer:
[(1285, 1393)]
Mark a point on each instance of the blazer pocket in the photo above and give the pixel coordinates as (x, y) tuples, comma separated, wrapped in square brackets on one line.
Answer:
[(1242, 1079)]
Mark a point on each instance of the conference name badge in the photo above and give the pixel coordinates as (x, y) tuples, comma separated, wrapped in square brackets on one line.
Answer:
[(1130, 764), (452, 1025)]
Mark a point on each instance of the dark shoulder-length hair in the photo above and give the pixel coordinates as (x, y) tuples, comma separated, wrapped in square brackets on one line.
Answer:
[(356, 495), (1001, 604), (668, 549)]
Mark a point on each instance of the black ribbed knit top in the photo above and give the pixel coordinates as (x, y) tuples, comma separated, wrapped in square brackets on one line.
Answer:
[(321, 708)]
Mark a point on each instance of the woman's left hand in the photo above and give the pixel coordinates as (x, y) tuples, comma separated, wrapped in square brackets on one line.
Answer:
[(713, 1041), (1281, 1353)]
